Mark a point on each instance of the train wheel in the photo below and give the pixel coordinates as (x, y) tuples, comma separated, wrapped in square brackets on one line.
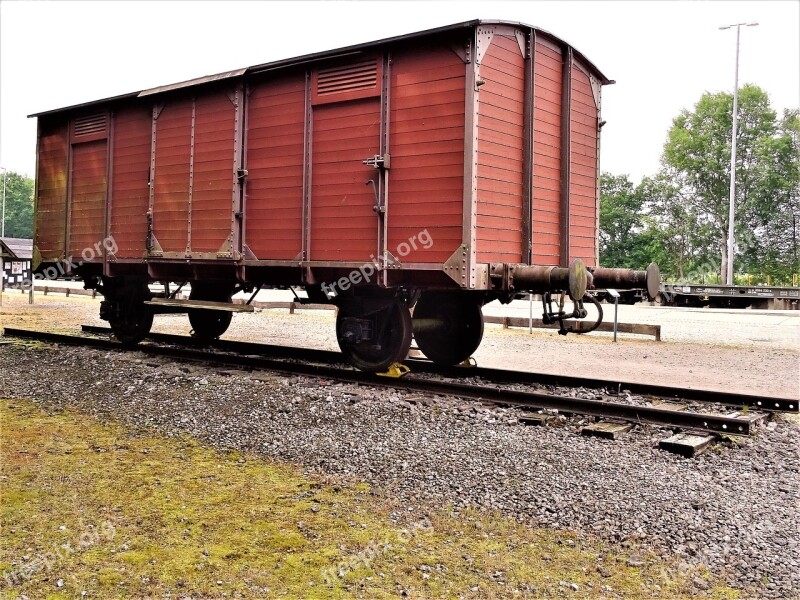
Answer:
[(133, 326), (372, 342), (208, 325), (448, 327)]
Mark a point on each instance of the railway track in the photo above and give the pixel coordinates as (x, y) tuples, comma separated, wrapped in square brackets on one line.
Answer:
[(426, 378)]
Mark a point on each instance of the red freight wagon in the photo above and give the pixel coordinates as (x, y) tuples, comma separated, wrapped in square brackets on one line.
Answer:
[(438, 170)]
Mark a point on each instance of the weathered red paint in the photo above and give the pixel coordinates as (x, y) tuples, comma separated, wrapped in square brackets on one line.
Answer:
[(51, 178), (500, 130), (87, 200), (427, 149), (274, 188), (285, 184), (130, 192), (583, 167), (548, 61)]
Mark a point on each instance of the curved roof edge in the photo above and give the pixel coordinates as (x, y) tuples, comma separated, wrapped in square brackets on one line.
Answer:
[(327, 54)]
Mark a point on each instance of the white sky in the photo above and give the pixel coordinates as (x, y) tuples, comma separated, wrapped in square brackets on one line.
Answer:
[(663, 55)]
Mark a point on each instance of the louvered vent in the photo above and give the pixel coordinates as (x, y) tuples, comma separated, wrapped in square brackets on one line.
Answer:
[(93, 125), (349, 78)]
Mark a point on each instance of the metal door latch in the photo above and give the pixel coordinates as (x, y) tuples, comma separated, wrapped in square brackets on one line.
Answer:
[(379, 161)]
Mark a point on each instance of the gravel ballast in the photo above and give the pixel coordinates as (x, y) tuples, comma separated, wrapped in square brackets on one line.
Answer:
[(732, 508)]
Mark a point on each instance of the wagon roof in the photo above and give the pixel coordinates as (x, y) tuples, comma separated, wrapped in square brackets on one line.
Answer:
[(316, 56)]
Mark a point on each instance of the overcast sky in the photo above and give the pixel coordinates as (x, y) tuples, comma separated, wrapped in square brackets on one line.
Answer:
[(663, 55)]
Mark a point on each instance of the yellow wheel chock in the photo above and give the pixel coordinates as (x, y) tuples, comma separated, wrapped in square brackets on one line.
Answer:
[(395, 370)]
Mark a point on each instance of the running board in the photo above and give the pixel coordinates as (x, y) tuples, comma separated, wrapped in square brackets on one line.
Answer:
[(184, 305)]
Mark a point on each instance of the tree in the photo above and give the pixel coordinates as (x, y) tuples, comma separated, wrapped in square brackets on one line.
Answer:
[(696, 162), (627, 236), (776, 217), (19, 205), (620, 205)]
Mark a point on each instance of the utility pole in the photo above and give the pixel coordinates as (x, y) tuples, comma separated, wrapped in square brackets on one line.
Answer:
[(2, 235), (732, 207)]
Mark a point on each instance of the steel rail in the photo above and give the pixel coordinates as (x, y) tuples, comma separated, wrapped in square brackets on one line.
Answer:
[(714, 423), (733, 399)]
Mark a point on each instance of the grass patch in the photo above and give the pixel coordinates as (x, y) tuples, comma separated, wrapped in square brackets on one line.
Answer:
[(114, 513)]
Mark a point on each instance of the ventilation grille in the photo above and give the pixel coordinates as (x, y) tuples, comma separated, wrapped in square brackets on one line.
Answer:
[(93, 125), (359, 76)]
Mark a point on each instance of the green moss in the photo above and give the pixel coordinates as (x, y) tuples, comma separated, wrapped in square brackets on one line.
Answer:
[(168, 515)]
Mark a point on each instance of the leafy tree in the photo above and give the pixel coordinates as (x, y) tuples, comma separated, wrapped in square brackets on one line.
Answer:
[(620, 208), (776, 217), (19, 205), (696, 162)]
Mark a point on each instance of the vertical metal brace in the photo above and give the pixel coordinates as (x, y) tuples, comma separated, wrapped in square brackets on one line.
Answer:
[(470, 192), (150, 241), (238, 176), (566, 153), (191, 182), (109, 183), (68, 200), (383, 173), (596, 91), (527, 149), (307, 158)]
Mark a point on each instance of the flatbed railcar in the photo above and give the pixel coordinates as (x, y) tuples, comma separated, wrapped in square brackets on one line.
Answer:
[(437, 171)]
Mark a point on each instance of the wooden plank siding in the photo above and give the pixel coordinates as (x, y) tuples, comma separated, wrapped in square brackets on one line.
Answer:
[(274, 161), (51, 192), (547, 75), (171, 181), (583, 170), (426, 127), (87, 200), (130, 192), (213, 171), (446, 109), (500, 132)]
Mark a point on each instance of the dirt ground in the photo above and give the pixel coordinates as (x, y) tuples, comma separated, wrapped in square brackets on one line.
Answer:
[(744, 351)]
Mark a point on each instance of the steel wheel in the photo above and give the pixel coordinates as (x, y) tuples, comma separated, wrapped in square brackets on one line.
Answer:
[(133, 327), (392, 338), (460, 332), (208, 325)]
